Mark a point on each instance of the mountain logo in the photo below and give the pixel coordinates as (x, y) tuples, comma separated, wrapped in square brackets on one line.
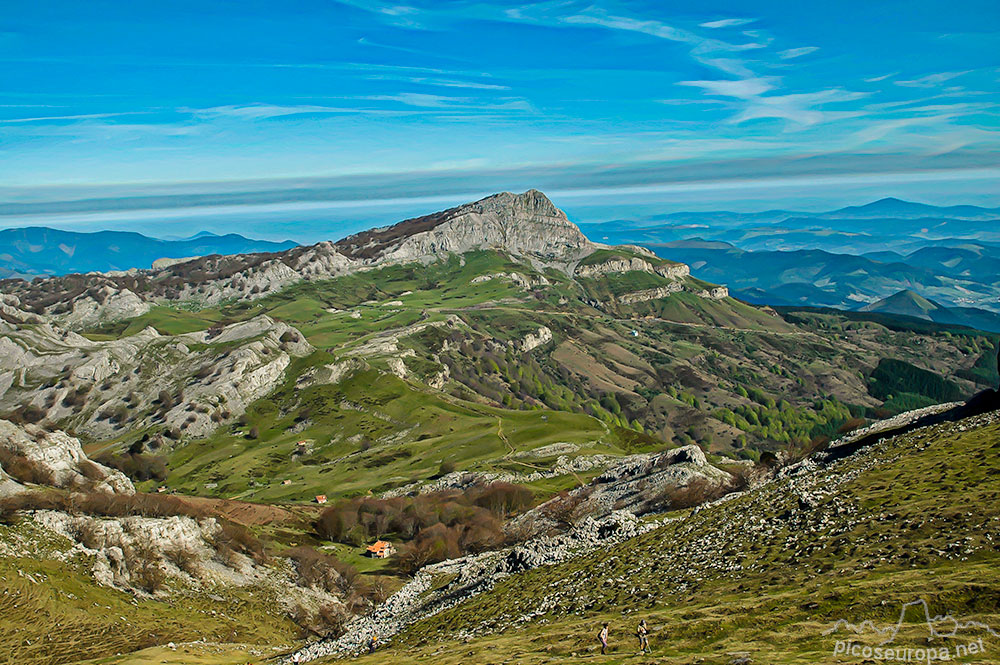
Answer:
[(939, 628)]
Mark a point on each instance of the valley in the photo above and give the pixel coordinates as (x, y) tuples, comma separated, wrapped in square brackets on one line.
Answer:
[(512, 404)]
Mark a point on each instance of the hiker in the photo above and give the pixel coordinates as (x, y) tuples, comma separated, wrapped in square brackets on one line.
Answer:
[(372, 643), (603, 636), (642, 632), (296, 658)]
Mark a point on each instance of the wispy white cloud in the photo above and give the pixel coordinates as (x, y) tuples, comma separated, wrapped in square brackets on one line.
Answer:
[(931, 80), (740, 89), (263, 111), (438, 82), (731, 66), (422, 100), (876, 79), (67, 118), (801, 108), (727, 22), (401, 16), (427, 101), (788, 54)]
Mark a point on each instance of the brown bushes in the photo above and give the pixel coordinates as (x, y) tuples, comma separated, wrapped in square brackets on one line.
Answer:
[(235, 538), (568, 509), (104, 505), (29, 414), (361, 519), (325, 621), (77, 397), (695, 493), (185, 558), (438, 526), (851, 425), (23, 469), (143, 563), (137, 466), (8, 514), (316, 569)]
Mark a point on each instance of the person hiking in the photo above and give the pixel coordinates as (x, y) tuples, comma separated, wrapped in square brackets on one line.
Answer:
[(642, 632), (603, 637), (372, 643)]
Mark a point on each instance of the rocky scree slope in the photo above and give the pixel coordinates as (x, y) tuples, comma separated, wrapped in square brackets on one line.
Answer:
[(597, 515), (184, 384), (909, 516)]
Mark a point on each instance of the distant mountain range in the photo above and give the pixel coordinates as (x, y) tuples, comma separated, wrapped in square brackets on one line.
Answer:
[(960, 282), (902, 225), (899, 209), (908, 303), (33, 251), (849, 258)]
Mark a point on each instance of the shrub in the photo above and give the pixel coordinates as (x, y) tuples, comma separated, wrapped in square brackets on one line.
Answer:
[(75, 398), (137, 466), (32, 414), (8, 514), (23, 469), (91, 534), (143, 564), (567, 509), (327, 621), (232, 538), (695, 493), (185, 558), (316, 569)]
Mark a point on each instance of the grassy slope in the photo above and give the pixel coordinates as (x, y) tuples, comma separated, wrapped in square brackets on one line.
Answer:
[(369, 433), (917, 517), (689, 351), (52, 613)]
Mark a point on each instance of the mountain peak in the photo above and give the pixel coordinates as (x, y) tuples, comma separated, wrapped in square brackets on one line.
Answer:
[(905, 302), (525, 224)]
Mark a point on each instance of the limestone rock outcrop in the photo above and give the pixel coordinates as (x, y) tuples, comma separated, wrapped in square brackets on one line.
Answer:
[(61, 457), (527, 225)]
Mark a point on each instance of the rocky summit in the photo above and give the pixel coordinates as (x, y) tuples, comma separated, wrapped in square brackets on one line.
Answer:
[(475, 436), (527, 225)]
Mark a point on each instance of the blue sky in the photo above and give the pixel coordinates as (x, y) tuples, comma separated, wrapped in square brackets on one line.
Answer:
[(758, 103)]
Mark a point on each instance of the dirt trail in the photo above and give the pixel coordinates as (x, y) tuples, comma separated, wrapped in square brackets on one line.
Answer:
[(503, 437), (513, 451), (246, 513)]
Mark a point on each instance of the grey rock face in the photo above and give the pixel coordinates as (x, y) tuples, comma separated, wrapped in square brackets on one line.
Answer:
[(525, 224), (650, 294), (63, 457), (112, 305), (101, 387), (8, 486)]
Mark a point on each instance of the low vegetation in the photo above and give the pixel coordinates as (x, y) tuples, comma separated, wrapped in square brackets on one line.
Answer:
[(433, 527)]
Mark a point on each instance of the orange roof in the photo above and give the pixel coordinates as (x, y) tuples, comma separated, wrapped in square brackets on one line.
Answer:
[(379, 546), (320, 498)]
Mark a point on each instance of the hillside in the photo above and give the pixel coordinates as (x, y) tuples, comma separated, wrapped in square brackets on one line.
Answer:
[(308, 365), (763, 575), (33, 251), (480, 382)]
